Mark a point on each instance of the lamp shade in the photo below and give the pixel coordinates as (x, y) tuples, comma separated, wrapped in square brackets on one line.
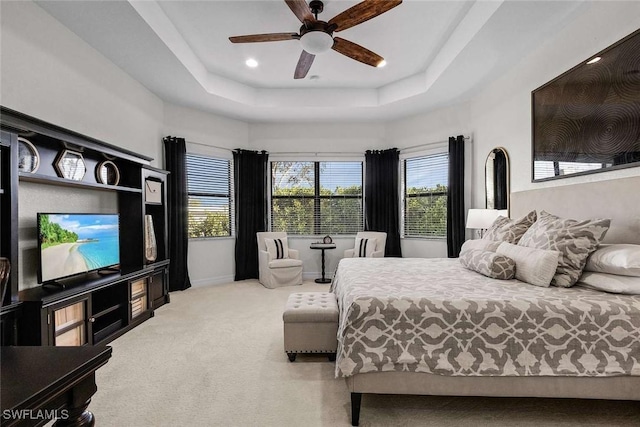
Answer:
[(482, 218), (315, 42)]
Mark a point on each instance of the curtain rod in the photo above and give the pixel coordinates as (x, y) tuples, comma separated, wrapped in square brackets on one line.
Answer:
[(210, 146), (427, 144), (317, 153)]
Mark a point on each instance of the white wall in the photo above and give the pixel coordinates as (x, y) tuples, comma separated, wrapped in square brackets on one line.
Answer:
[(500, 115), (49, 73)]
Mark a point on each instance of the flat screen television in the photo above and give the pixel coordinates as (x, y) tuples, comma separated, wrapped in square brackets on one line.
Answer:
[(587, 120), (71, 244)]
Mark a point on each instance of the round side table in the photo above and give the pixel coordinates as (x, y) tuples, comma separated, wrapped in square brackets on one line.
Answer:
[(323, 247)]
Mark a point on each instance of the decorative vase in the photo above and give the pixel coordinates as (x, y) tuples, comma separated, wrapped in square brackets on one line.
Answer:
[(5, 269), (150, 248)]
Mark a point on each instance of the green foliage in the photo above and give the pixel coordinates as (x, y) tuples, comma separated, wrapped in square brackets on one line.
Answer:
[(207, 223), (52, 234), (338, 215), (426, 212)]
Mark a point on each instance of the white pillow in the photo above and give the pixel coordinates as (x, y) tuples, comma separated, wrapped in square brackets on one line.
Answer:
[(611, 283), (534, 266), (364, 247), (622, 259), (277, 248), (480, 244)]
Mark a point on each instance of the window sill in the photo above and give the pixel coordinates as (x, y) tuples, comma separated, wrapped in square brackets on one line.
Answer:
[(436, 239), (202, 239)]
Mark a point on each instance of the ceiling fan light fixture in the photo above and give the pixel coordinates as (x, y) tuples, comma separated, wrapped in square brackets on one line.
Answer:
[(315, 42), (381, 64), (251, 63)]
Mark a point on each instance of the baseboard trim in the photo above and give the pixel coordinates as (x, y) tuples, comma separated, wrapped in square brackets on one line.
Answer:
[(220, 280), (315, 275)]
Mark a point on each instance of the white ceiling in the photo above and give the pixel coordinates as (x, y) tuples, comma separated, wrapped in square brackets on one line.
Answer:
[(438, 53)]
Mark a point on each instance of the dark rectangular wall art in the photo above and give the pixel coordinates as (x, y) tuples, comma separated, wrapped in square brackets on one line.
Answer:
[(587, 120)]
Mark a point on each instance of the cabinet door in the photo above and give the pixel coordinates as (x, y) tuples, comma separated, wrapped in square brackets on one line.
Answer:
[(157, 289), (139, 297), (70, 326)]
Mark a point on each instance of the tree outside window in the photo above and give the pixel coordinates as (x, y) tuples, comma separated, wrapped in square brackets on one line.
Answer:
[(210, 202), (425, 196), (316, 198)]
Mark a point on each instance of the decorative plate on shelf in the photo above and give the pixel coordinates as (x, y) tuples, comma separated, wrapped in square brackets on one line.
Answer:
[(327, 239), (28, 156)]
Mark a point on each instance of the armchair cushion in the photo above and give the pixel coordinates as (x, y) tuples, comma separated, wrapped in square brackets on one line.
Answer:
[(277, 248), (284, 263), (364, 247)]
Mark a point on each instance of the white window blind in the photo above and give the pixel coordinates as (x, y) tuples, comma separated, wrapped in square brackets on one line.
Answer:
[(425, 195), (210, 202), (316, 198)]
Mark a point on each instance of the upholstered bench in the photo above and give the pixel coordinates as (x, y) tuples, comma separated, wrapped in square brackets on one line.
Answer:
[(311, 324)]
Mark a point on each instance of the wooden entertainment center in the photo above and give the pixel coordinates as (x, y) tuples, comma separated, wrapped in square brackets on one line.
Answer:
[(91, 308)]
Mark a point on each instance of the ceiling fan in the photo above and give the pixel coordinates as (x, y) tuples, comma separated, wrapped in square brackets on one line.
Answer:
[(317, 36)]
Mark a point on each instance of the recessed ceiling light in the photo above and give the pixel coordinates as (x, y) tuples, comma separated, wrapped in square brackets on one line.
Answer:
[(594, 60), (382, 64), (251, 63)]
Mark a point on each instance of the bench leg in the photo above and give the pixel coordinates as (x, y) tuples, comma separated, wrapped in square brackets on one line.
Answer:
[(292, 357), (332, 357), (356, 399)]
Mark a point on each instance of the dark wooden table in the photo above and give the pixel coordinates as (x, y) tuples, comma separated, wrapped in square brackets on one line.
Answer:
[(323, 247), (43, 383)]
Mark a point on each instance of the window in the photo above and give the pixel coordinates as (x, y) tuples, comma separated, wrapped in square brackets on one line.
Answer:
[(425, 195), (210, 203), (316, 198)]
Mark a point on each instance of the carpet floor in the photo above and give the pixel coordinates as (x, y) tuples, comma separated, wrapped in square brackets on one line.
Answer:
[(214, 357)]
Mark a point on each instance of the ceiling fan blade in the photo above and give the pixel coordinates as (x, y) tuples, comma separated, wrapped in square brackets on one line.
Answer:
[(272, 37), (357, 52), (362, 12), (301, 9), (304, 64)]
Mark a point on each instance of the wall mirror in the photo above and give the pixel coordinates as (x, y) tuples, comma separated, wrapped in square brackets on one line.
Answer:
[(70, 165), (496, 169)]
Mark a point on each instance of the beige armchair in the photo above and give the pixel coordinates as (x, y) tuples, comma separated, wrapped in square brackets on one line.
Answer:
[(378, 251), (275, 272)]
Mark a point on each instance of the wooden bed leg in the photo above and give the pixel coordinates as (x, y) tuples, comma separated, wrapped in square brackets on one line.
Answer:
[(356, 399)]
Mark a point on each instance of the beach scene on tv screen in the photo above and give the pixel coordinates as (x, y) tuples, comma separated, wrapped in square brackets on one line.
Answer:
[(72, 244)]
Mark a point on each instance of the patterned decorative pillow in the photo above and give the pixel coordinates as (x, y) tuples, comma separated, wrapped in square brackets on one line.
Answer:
[(364, 247), (277, 248), (489, 264), (483, 245), (575, 240), (533, 266), (509, 230)]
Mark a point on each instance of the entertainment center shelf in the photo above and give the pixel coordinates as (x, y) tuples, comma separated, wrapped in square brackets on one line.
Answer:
[(91, 308)]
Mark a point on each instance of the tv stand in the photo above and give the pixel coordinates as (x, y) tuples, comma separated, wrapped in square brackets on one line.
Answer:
[(101, 305)]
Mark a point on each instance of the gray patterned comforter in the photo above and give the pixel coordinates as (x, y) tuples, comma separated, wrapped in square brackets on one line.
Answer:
[(433, 315)]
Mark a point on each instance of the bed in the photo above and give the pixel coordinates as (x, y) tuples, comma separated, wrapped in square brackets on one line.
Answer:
[(429, 326)]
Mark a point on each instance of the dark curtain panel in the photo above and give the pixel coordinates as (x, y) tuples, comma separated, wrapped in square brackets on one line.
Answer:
[(250, 181), (175, 151), (381, 197), (500, 180), (455, 197)]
